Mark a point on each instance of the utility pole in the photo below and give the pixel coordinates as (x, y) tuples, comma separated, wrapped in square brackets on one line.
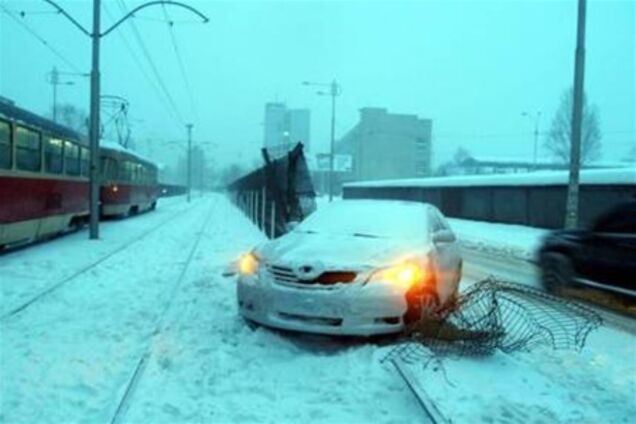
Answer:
[(537, 119), (94, 131), (189, 176), (95, 126), (572, 201)]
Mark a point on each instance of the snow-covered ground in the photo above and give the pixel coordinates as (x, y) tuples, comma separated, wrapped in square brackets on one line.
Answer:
[(69, 356), (596, 385)]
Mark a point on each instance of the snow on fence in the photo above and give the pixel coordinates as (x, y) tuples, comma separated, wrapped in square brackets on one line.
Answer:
[(276, 194), (535, 199)]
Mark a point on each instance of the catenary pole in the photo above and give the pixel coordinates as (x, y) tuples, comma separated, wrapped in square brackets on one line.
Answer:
[(189, 176), (94, 120), (54, 81), (572, 201), (94, 130)]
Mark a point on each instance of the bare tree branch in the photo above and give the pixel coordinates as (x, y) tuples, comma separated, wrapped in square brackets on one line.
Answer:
[(558, 138)]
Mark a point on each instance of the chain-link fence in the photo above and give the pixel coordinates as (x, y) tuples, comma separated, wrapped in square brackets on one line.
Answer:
[(497, 315), (279, 192)]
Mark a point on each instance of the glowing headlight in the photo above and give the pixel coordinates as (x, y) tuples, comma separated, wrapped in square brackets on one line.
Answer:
[(248, 264), (405, 275)]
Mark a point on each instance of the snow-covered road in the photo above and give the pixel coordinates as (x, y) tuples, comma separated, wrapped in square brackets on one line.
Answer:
[(148, 304), (70, 355)]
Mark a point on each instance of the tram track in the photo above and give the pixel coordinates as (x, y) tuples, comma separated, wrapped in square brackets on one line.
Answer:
[(86, 268), (158, 329)]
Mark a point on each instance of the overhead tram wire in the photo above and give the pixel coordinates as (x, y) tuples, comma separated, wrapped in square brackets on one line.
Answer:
[(159, 93), (40, 38), (155, 71), (177, 51)]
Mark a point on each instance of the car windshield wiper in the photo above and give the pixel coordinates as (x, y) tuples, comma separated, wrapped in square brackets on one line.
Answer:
[(365, 235)]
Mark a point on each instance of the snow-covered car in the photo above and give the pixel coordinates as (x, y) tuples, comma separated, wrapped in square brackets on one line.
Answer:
[(354, 267)]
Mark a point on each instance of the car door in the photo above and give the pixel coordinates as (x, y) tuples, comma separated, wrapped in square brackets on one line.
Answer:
[(611, 247), (447, 257)]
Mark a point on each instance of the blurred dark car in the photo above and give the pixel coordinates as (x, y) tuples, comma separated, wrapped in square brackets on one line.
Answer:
[(602, 257)]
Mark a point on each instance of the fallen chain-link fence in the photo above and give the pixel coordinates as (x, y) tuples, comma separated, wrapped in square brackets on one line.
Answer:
[(497, 315)]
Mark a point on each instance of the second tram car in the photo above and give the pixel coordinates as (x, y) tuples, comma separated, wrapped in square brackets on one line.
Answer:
[(129, 183), (44, 169)]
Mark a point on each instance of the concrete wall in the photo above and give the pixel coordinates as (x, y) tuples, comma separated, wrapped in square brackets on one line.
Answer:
[(536, 206)]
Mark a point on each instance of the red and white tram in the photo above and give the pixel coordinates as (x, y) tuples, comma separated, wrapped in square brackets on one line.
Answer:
[(129, 182), (44, 178)]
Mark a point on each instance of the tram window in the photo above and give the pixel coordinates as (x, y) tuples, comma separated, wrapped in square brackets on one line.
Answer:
[(108, 169), (85, 160), (71, 158), (139, 173), (118, 170), (28, 148), (129, 171), (53, 150), (5, 145)]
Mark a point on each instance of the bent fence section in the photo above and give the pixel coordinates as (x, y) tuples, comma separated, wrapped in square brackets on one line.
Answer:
[(278, 193), (536, 199)]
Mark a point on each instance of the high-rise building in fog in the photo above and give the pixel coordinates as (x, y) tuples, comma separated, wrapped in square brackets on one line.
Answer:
[(284, 128)]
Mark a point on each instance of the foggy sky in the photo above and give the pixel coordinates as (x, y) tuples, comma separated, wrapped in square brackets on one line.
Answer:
[(471, 66)]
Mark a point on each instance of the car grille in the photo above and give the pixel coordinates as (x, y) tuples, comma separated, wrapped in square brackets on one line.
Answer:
[(286, 275)]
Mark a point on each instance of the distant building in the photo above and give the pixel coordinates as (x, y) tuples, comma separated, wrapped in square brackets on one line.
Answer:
[(386, 146), (284, 128)]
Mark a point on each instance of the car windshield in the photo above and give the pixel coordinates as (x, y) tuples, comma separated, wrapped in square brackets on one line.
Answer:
[(369, 219)]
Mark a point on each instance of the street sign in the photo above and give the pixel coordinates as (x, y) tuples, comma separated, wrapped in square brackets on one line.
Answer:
[(341, 163)]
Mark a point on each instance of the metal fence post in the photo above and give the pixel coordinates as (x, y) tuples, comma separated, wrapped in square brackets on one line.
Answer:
[(272, 224), (249, 205), (254, 206), (263, 222)]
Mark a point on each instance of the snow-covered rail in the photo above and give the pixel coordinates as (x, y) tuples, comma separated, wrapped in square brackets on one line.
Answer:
[(160, 326), (90, 266), (429, 408)]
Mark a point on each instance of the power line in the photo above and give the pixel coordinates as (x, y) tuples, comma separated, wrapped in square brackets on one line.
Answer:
[(139, 65), (153, 67), (40, 38), (177, 52)]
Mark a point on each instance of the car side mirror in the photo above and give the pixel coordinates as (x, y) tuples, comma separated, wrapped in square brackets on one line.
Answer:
[(443, 236)]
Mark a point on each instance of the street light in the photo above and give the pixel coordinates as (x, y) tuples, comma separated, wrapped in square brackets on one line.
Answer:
[(334, 90), (96, 36), (536, 117)]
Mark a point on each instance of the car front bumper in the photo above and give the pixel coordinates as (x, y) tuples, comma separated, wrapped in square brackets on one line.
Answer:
[(345, 309)]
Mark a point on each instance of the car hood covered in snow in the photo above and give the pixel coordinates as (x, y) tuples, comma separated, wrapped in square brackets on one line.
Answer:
[(339, 251)]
